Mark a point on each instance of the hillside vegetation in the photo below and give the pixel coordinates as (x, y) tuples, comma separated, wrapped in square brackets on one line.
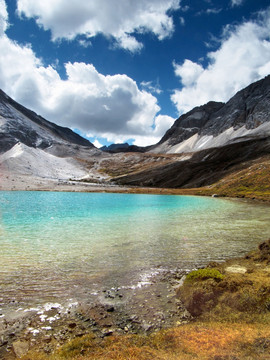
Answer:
[(251, 182)]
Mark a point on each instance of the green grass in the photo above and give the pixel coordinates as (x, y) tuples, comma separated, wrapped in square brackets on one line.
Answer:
[(203, 274)]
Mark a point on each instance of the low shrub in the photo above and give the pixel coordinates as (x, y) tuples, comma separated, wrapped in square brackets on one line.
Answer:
[(204, 274)]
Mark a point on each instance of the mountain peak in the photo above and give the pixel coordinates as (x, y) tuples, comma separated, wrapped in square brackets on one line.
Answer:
[(244, 116)]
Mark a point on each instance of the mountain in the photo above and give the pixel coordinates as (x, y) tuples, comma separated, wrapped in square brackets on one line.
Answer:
[(244, 117), (19, 124), (202, 168), (218, 140), (125, 147), (33, 149), (217, 143)]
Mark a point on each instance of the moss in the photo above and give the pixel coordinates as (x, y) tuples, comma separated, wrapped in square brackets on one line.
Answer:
[(204, 274)]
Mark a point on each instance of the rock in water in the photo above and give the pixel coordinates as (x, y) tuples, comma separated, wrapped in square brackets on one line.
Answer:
[(20, 348)]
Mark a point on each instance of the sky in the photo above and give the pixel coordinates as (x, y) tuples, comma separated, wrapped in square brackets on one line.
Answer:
[(123, 70)]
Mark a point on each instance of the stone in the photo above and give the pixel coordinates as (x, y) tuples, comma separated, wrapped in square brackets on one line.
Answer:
[(20, 348), (236, 269), (110, 309), (72, 325)]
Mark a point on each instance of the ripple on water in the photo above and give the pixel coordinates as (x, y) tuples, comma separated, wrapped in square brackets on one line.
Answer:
[(57, 246)]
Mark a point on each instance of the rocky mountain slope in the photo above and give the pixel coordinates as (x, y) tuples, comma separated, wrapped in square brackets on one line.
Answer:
[(36, 148), (19, 124), (244, 117), (217, 140), (204, 146), (203, 168)]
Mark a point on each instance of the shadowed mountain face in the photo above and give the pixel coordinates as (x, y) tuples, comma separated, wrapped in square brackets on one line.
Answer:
[(203, 168), (118, 148), (19, 124), (245, 116)]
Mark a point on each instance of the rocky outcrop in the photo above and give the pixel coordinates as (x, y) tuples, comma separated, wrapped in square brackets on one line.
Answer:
[(190, 123), (245, 116)]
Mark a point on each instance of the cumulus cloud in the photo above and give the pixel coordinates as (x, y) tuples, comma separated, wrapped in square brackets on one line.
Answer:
[(97, 143), (119, 19), (188, 72), (243, 57), (3, 17), (112, 107)]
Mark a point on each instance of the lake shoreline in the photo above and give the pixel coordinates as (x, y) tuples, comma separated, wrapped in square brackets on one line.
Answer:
[(112, 320), (117, 312), (28, 183)]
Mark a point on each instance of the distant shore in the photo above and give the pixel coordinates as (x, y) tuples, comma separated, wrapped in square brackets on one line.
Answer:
[(29, 183)]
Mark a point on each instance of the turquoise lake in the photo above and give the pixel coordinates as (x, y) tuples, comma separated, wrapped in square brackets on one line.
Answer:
[(58, 246)]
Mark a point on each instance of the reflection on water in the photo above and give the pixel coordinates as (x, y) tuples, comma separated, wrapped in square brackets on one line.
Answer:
[(69, 245)]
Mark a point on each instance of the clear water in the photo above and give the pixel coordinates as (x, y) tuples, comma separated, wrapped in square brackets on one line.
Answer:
[(57, 246)]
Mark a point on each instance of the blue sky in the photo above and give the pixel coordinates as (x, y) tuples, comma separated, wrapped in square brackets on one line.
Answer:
[(124, 70)]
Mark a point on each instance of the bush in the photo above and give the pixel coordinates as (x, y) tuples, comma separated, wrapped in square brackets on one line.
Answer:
[(204, 274)]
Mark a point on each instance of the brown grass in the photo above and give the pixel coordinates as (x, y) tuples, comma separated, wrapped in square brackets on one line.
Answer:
[(191, 341), (251, 182)]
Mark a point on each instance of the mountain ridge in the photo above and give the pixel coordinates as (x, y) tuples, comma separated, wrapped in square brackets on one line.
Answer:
[(16, 129), (217, 124), (202, 147)]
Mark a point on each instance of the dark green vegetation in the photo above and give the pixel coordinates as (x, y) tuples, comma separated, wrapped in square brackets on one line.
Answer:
[(235, 290)]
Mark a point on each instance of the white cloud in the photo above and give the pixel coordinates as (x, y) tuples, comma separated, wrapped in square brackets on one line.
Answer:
[(182, 21), (119, 19), (236, 2), (3, 17), (153, 88), (213, 11), (112, 107), (188, 72), (97, 144), (243, 57), (209, 11)]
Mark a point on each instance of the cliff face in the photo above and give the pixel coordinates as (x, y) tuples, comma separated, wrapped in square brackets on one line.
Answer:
[(245, 116)]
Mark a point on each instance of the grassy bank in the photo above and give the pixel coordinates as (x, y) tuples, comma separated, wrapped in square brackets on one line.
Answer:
[(230, 304), (250, 180)]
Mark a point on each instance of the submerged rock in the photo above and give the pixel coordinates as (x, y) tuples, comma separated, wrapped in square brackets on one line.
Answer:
[(20, 348)]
